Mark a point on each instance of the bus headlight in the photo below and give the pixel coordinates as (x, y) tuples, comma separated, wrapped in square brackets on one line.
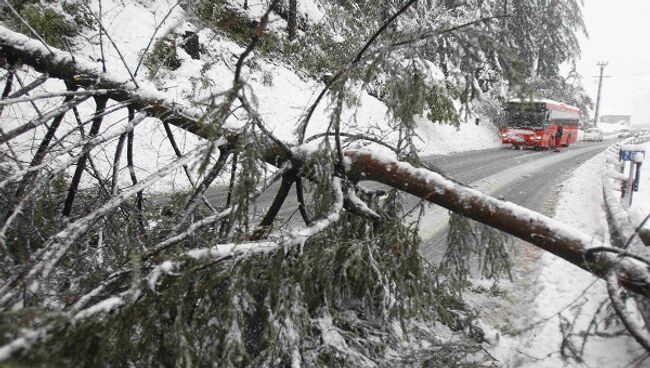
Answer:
[(536, 138)]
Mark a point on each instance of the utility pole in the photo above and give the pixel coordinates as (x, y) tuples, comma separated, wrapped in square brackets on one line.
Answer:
[(602, 66)]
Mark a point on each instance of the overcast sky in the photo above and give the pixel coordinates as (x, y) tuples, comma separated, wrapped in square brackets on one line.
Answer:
[(619, 33)]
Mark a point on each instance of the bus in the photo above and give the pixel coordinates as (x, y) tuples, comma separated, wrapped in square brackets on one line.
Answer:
[(540, 124)]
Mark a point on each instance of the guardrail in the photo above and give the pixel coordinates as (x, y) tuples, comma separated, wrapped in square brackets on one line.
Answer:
[(622, 231), (621, 228)]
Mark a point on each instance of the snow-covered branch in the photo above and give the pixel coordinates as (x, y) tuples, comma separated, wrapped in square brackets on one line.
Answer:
[(57, 246), (10, 101), (533, 227)]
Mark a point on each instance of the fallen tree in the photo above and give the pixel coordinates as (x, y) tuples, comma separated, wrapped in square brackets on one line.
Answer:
[(525, 224), (160, 280)]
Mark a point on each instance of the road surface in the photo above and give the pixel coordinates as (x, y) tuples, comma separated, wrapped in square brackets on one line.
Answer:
[(527, 178), (524, 177)]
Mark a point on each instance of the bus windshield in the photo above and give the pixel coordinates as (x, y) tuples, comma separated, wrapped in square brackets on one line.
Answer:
[(519, 118)]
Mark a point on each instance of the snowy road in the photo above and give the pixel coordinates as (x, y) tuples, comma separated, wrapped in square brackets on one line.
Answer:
[(523, 177), (526, 178)]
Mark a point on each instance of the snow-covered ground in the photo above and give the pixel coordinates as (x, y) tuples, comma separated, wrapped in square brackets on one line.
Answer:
[(571, 295), (567, 298)]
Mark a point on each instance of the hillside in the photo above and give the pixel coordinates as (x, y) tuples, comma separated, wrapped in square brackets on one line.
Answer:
[(282, 90)]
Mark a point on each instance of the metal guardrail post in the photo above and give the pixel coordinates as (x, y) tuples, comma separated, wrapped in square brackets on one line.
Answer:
[(621, 228)]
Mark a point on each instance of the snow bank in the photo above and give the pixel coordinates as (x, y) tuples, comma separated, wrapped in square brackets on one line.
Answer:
[(568, 292), (442, 138)]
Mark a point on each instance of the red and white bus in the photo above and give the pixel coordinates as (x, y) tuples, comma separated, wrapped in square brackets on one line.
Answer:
[(540, 124)]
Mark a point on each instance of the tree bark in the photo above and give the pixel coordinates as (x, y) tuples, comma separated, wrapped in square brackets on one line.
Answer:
[(535, 228)]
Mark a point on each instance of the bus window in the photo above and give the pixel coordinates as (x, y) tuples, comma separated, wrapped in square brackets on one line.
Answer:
[(518, 118)]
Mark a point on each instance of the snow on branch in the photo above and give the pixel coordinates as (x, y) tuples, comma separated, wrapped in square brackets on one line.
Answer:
[(535, 228), (234, 250), (217, 253), (57, 246), (88, 146), (85, 73), (42, 96), (636, 328), (333, 215), (548, 234), (193, 227), (36, 122)]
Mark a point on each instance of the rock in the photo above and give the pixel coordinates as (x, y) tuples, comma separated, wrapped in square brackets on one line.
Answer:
[(191, 45)]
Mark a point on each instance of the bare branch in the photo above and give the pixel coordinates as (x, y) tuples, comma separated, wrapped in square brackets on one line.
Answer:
[(352, 136), (259, 31), (117, 49), (7, 89), (101, 38), (81, 164), (186, 169), (274, 209), (301, 201), (131, 166), (28, 88), (88, 93), (39, 156), (639, 333), (41, 120), (116, 163), (199, 191)]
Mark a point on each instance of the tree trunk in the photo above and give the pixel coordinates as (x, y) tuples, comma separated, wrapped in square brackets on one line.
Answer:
[(293, 19)]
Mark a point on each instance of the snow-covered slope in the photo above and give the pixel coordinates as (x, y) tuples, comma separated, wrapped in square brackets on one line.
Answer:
[(281, 93)]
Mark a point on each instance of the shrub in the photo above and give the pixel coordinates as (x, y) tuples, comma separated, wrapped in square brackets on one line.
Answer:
[(162, 55), (51, 24)]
